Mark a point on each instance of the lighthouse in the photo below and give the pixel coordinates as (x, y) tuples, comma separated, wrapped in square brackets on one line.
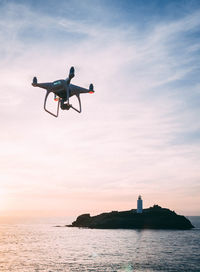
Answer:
[(139, 204)]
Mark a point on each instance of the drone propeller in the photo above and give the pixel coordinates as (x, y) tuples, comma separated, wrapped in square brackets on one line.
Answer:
[(91, 88), (71, 72), (34, 81), (71, 75)]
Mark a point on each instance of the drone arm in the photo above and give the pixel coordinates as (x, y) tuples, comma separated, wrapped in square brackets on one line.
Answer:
[(45, 101), (74, 89), (46, 86)]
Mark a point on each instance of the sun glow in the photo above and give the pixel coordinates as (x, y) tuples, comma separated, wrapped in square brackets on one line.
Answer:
[(3, 200)]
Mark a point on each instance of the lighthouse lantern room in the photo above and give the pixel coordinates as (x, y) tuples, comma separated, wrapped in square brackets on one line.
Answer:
[(139, 204)]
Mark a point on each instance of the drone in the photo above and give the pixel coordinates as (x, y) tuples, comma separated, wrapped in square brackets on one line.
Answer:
[(63, 90)]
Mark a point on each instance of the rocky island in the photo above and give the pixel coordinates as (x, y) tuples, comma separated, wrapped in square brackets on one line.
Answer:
[(152, 218)]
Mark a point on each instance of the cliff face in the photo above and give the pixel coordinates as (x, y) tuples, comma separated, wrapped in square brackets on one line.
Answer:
[(152, 218)]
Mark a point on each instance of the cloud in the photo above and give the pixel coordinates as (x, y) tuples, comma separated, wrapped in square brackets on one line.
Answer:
[(136, 132)]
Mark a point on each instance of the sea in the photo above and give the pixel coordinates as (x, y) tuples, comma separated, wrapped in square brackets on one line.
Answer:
[(39, 245)]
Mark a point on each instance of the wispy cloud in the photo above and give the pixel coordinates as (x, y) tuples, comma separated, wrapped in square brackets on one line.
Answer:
[(136, 134)]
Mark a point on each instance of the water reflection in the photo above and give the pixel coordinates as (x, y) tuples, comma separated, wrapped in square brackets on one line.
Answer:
[(41, 247)]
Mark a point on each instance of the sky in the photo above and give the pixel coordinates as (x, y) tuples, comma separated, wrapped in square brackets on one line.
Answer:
[(139, 133)]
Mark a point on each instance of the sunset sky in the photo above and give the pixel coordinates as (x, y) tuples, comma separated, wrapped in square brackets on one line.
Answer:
[(139, 133)]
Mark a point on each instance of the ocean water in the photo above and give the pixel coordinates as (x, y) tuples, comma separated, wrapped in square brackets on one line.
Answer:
[(37, 245)]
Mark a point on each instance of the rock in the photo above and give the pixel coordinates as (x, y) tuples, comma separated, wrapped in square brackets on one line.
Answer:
[(152, 218)]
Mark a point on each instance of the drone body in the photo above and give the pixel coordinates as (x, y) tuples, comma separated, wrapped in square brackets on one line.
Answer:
[(63, 90)]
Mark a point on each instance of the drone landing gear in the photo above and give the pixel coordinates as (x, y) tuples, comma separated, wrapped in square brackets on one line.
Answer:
[(79, 100), (45, 102), (62, 105), (61, 101)]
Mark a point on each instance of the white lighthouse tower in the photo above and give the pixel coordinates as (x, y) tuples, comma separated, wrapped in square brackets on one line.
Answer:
[(139, 204)]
